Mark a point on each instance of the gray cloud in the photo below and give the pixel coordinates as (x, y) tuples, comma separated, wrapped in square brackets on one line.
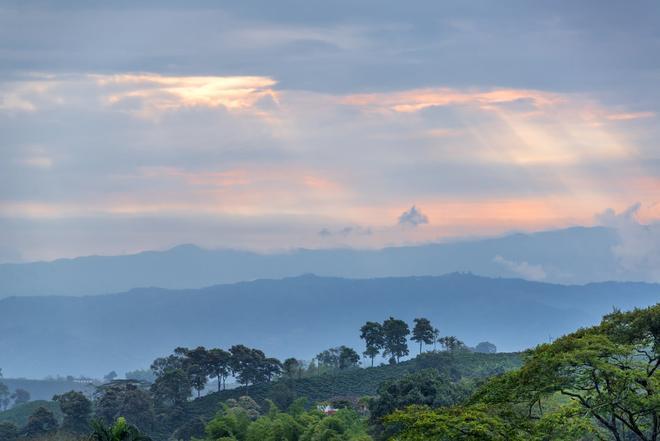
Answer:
[(346, 231), (413, 218)]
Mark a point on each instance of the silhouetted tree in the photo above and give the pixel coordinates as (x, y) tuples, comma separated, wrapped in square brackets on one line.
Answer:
[(348, 357), (125, 398), (41, 423), (77, 410), (110, 376), (219, 365), (271, 367), (290, 367), (248, 365), (451, 343), (396, 333), (374, 338), (171, 390), (329, 358), (422, 332), (163, 364), (197, 366)]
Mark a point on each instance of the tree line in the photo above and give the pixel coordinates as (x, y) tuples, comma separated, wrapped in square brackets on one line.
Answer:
[(391, 339)]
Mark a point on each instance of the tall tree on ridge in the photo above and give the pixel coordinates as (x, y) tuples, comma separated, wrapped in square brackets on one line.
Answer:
[(219, 365), (290, 367), (374, 338), (423, 332), (348, 357), (396, 333), (197, 366)]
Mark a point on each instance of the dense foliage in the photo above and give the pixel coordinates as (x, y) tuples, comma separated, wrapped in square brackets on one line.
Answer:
[(236, 423), (599, 383)]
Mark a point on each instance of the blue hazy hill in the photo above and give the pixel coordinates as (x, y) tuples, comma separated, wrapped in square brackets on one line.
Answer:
[(297, 316), (574, 255)]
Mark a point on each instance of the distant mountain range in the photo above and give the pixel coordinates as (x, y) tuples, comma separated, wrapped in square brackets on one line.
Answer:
[(574, 255), (298, 316)]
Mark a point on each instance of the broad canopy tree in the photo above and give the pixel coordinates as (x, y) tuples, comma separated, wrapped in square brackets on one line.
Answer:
[(219, 365), (348, 357), (423, 332), (609, 372), (77, 410), (599, 383), (291, 367), (396, 338), (374, 339), (41, 423)]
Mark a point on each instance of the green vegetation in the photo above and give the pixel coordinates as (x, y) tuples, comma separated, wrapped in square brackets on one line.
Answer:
[(374, 338), (423, 333), (19, 415), (362, 382), (77, 410), (235, 422), (599, 383), (119, 431)]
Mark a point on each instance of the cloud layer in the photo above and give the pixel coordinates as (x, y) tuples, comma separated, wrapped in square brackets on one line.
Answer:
[(248, 127)]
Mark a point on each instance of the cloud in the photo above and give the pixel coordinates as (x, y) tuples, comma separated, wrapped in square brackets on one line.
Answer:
[(158, 93), (143, 94), (217, 146), (420, 99), (610, 218), (413, 218), (630, 116), (346, 231), (638, 250), (522, 269)]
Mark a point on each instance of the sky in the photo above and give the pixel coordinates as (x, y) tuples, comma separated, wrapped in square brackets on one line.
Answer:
[(127, 126)]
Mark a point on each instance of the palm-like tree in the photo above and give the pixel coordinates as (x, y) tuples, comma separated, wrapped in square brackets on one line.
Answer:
[(119, 431)]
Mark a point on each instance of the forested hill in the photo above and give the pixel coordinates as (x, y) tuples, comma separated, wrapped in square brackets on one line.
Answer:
[(290, 317), (574, 255), (362, 382)]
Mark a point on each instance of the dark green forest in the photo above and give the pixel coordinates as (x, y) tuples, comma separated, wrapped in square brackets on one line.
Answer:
[(598, 383)]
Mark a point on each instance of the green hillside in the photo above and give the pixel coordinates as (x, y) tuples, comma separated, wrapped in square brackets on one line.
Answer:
[(362, 382), (19, 414)]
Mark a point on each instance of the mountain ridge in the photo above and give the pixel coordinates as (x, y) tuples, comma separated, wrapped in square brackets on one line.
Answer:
[(298, 316), (569, 256)]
